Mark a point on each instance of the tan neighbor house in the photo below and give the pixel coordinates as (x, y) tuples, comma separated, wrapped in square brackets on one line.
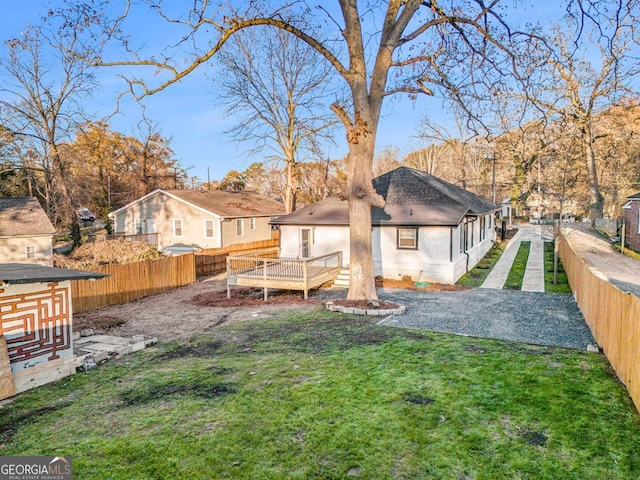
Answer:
[(198, 218), (26, 234)]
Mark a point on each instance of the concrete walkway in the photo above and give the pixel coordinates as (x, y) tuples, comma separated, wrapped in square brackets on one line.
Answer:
[(534, 274)]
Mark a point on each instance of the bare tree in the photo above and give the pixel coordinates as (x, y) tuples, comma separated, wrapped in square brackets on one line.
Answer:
[(383, 48), (563, 83), (386, 160), (42, 84), (275, 83)]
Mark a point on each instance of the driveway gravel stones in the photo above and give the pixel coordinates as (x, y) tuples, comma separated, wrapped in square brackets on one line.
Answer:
[(529, 317)]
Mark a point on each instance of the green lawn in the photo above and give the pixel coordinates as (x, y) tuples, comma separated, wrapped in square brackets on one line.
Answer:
[(562, 285), (477, 275), (516, 274), (329, 396)]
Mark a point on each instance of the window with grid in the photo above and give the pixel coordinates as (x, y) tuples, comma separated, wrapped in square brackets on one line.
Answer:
[(408, 238), (138, 222), (177, 227), (208, 228), (31, 251), (252, 224), (239, 227)]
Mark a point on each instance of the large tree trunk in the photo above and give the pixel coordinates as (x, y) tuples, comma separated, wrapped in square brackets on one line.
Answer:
[(596, 206), (361, 197)]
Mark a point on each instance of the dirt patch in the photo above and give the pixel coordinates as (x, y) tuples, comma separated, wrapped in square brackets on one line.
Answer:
[(103, 323), (533, 438), (248, 296), (141, 396), (179, 314), (416, 399), (14, 422), (204, 349), (408, 284)]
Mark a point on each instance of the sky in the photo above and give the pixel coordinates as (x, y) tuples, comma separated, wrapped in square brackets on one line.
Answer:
[(189, 114)]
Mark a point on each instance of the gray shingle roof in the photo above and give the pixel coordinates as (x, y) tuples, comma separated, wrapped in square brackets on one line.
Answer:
[(21, 216), (231, 204), (412, 197)]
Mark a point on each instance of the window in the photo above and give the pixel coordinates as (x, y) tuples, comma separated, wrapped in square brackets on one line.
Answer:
[(482, 228), (31, 251), (138, 225), (408, 238), (208, 228), (177, 227), (239, 227), (252, 224)]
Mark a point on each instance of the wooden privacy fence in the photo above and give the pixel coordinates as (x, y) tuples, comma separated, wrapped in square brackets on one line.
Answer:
[(133, 280), (612, 315), (214, 260)]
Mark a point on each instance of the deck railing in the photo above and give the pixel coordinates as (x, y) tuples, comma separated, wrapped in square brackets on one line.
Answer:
[(268, 272)]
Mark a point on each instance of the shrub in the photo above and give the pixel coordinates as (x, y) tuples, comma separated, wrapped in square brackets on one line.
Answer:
[(109, 252)]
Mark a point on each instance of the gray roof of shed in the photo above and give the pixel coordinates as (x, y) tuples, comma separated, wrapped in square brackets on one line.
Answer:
[(13, 273), (23, 216), (412, 197)]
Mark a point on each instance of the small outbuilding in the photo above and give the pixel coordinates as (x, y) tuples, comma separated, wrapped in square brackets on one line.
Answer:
[(36, 325), (429, 228)]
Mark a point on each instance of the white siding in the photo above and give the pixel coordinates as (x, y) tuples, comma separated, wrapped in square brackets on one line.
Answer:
[(324, 240), (14, 249), (163, 210), (437, 259)]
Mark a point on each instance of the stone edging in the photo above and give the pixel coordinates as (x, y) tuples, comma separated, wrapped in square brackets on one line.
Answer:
[(376, 312)]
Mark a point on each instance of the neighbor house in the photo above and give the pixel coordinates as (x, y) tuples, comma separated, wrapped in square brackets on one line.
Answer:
[(26, 234), (544, 204), (184, 220), (631, 211), (428, 228)]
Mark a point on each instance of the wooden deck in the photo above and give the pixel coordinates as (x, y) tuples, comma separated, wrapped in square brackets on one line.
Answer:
[(282, 273)]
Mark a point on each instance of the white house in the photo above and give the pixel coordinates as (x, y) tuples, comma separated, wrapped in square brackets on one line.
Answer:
[(26, 234), (428, 228), (194, 219)]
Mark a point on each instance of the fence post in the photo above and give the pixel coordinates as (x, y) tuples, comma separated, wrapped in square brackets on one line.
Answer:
[(264, 277), (228, 276)]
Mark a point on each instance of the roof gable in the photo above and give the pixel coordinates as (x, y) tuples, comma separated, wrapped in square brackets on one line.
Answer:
[(23, 216)]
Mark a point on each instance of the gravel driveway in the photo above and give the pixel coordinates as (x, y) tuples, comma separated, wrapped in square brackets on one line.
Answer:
[(529, 317)]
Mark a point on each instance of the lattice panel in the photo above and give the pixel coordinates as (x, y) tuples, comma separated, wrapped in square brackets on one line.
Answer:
[(36, 324)]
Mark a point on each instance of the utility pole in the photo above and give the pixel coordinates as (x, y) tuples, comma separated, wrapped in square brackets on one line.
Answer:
[(493, 180)]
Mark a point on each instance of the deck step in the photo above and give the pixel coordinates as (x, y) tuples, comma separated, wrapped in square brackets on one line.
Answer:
[(342, 280)]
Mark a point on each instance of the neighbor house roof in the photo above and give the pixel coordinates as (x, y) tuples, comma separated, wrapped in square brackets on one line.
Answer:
[(412, 197), (220, 202), (634, 197), (13, 273), (23, 216)]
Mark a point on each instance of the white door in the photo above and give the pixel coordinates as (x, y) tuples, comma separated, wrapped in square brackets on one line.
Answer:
[(305, 243)]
